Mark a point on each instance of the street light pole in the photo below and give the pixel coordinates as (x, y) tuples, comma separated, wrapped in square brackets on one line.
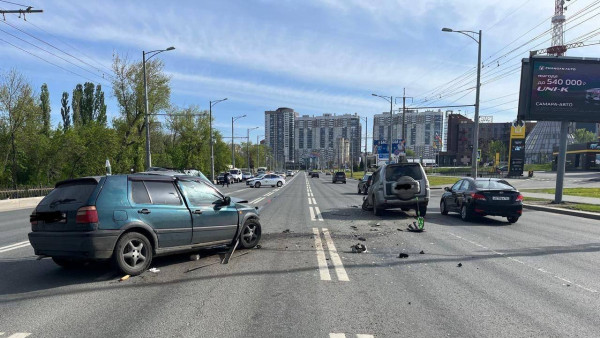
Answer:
[(233, 119), (258, 151), (366, 140), (477, 89), (248, 145), (146, 118), (391, 99), (212, 150)]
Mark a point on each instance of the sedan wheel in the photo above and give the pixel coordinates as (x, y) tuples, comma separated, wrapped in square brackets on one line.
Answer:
[(257, 185), (133, 253), (443, 207), (464, 213), (250, 234), (279, 184)]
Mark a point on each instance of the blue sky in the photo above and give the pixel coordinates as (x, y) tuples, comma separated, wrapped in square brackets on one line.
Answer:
[(316, 56)]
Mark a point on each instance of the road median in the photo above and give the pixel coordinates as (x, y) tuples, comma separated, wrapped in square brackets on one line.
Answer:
[(19, 203), (563, 211)]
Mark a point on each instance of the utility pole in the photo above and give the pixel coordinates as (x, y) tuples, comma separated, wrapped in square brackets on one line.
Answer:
[(404, 97)]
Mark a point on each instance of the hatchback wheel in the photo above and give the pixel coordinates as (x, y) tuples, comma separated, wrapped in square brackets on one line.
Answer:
[(257, 185), (443, 207), (133, 253), (465, 215), (512, 219), (251, 233), (279, 184)]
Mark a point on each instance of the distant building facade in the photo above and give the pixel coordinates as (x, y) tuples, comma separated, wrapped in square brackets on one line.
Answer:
[(426, 132), (328, 140), (279, 135)]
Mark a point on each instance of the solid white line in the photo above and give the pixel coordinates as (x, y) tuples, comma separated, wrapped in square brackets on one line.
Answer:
[(528, 265), (318, 213), (15, 247), (16, 244), (19, 335), (365, 336), (337, 335), (323, 269), (312, 214), (335, 258)]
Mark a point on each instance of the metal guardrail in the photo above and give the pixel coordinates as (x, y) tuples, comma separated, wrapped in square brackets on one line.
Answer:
[(24, 192)]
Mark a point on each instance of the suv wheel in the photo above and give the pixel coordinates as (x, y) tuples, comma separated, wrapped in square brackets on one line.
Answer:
[(133, 253), (376, 211), (465, 215), (443, 207), (257, 185), (251, 233), (279, 184)]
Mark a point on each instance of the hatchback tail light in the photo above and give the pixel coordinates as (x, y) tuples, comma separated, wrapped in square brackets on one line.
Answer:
[(33, 218), (478, 197), (87, 215), (520, 197)]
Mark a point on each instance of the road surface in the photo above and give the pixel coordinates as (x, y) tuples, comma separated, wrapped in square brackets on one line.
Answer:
[(537, 277)]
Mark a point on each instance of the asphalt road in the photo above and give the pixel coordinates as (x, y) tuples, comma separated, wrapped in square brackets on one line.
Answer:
[(537, 277)]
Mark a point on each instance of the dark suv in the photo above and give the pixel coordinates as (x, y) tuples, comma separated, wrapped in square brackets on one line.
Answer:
[(340, 176), (133, 218)]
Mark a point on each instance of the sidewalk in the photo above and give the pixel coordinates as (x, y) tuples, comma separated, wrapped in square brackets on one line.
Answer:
[(566, 198)]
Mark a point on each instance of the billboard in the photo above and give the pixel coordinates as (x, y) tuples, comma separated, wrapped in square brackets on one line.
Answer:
[(560, 89), (516, 153)]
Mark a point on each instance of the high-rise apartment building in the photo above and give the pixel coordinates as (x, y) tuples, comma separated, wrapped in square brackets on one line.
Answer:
[(426, 132), (279, 135), (328, 140)]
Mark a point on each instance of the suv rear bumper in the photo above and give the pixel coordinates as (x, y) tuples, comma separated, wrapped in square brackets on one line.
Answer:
[(92, 245)]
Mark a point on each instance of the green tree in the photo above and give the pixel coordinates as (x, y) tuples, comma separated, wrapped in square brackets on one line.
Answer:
[(45, 108), (87, 103), (77, 104), (410, 153), (65, 110), (99, 112), (584, 136), (128, 88), (496, 146)]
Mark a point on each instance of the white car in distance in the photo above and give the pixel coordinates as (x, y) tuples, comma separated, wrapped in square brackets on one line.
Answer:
[(268, 180)]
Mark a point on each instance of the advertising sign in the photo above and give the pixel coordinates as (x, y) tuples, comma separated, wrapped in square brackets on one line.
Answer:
[(398, 147), (516, 153), (561, 89)]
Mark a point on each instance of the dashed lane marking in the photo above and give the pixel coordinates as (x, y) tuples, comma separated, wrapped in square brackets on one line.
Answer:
[(318, 213), (312, 214), (257, 200), (19, 335), (335, 258), (323, 268), (14, 246)]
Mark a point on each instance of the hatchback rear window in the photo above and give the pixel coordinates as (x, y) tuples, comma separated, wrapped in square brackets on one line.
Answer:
[(394, 172), (494, 185), (72, 192)]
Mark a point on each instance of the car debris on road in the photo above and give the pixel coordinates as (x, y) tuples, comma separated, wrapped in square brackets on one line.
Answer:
[(359, 248)]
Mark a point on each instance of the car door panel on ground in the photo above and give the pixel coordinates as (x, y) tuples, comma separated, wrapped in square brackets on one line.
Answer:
[(159, 205), (212, 221)]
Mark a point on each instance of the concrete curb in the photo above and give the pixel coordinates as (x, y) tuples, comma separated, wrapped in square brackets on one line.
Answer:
[(19, 203), (577, 213)]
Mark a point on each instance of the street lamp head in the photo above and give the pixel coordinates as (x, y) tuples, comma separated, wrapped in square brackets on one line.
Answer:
[(374, 94), (447, 29), (170, 48)]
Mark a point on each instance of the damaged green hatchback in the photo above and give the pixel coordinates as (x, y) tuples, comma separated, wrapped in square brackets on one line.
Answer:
[(132, 218)]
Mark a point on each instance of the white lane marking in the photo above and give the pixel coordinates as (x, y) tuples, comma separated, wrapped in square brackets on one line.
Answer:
[(335, 258), (323, 268), (15, 244), (314, 201), (337, 335), (312, 213), (15, 247), (257, 200), (364, 336), (19, 335), (318, 213), (526, 264)]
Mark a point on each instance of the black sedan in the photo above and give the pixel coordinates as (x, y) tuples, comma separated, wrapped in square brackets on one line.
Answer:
[(314, 174), (482, 197), (364, 183)]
